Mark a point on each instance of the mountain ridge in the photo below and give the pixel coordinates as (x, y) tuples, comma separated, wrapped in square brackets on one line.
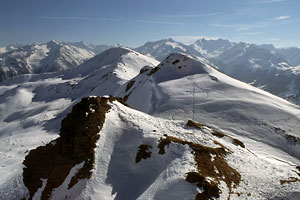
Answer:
[(191, 113)]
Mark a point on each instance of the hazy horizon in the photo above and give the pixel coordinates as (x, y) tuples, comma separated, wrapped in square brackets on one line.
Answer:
[(133, 22)]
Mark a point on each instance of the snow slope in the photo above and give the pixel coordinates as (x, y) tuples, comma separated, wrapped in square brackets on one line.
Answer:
[(117, 175), (182, 88)]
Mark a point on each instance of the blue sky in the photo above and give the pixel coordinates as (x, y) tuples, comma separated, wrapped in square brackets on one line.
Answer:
[(133, 22)]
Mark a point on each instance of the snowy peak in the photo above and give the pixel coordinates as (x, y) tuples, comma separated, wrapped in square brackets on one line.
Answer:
[(250, 56), (212, 48), (162, 48), (106, 72), (116, 58), (269, 47), (53, 43), (177, 66), (118, 51), (291, 55), (96, 49)]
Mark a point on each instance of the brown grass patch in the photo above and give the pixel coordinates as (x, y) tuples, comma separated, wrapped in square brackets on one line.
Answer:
[(238, 143), (218, 134), (293, 138), (207, 160), (298, 168), (191, 123), (143, 153), (290, 180), (209, 189), (162, 143), (129, 85), (78, 136)]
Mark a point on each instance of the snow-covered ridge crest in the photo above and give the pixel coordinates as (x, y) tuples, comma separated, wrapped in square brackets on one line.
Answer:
[(106, 72), (179, 65)]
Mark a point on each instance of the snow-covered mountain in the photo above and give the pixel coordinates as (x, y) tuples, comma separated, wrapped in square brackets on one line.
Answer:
[(9, 48), (211, 48), (262, 67), (41, 58), (97, 49), (191, 133), (272, 69), (162, 48), (291, 55)]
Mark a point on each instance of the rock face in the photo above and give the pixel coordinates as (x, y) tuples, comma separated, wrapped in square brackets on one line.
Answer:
[(78, 136)]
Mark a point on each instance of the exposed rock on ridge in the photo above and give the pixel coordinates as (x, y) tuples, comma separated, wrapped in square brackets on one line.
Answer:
[(78, 137)]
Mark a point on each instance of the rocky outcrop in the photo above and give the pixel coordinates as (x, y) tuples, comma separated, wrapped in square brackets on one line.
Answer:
[(78, 137)]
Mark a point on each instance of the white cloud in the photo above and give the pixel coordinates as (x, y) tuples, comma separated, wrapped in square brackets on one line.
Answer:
[(282, 17), (20, 99), (250, 33), (76, 18), (189, 15), (239, 27), (272, 1), (274, 39), (266, 1)]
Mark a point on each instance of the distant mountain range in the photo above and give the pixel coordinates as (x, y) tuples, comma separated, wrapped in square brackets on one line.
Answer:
[(162, 48), (273, 69), (41, 58)]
